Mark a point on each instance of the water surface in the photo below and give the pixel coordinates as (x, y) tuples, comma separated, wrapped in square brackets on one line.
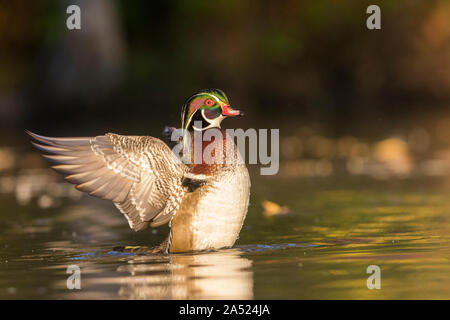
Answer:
[(334, 229)]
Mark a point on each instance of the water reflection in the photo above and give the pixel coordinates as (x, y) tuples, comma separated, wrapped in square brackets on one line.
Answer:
[(215, 275), (223, 274)]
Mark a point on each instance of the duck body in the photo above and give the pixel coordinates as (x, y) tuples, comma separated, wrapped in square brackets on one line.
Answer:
[(212, 215), (205, 203)]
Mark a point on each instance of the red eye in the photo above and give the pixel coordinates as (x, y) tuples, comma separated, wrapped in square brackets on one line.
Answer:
[(209, 102)]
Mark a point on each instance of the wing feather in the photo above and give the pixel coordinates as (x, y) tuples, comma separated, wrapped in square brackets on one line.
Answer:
[(140, 175)]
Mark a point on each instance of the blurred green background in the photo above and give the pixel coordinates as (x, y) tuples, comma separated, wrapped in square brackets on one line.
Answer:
[(133, 63)]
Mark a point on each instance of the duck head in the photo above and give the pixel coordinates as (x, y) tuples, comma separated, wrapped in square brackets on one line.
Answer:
[(210, 106)]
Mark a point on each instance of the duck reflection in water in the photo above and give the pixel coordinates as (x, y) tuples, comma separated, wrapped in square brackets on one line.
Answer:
[(223, 274)]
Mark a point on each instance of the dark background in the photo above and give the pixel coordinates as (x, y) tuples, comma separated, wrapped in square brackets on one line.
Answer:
[(286, 64)]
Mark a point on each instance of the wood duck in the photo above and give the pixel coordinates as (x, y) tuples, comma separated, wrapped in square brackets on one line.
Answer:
[(204, 203)]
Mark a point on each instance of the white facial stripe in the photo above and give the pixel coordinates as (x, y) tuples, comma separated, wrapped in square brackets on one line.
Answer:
[(212, 122), (217, 99)]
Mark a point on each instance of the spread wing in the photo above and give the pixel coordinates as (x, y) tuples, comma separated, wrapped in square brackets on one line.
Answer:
[(141, 175)]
